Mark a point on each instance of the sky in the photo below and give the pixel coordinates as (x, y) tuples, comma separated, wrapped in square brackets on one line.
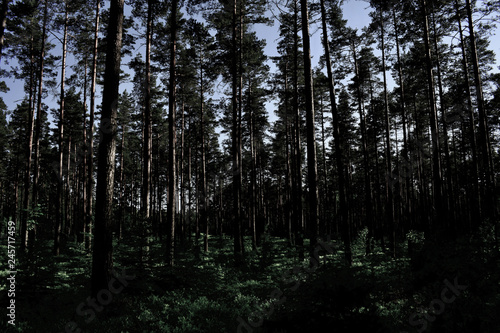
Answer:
[(355, 11)]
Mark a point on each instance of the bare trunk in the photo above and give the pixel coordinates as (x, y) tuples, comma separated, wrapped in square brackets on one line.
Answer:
[(476, 196), (344, 210), (238, 244), (312, 169), (436, 164), (486, 162), (298, 218), (36, 169), (388, 155), (88, 221), (147, 142), (102, 257), (204, 199), (172, 137)]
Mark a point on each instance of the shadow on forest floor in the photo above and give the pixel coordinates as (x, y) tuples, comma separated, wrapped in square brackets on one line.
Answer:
[(271, 292)]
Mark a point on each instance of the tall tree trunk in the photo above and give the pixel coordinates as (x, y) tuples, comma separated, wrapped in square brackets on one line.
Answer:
[(436, 164), (253, 176), (240, 118), (88, 221), (29, 236), (67, 195), (406, 170), (81, 231), (182, 212), (102, 257), (364, 144), (476, 195), (204, 194), (288, 177), (312, 169), (449, 199), (122, 184), (147, 140), (36, 169), (29, 148), (344, 211), (298, 216), (238, 244), (486, 161), (60, 184), (172, 136), (324, 196), (388, 155)]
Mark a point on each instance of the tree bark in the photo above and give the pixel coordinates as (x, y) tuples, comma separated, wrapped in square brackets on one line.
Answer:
[(312, 169), (388, 155), (298, 215), (90, 184), (172, 136), (60, 199), (364, 144), (477, 195), (436, 164), (486, 162), (147, 140), (238, 244), (204, 198), (344, 210), (102, 258)]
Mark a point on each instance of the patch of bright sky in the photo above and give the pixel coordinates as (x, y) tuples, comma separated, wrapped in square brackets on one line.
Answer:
[(354, 11)]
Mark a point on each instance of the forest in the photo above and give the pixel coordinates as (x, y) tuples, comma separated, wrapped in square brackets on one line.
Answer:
[(164, 173)]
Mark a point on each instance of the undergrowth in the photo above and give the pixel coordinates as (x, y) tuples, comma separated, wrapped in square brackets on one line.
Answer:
[(271, 292)]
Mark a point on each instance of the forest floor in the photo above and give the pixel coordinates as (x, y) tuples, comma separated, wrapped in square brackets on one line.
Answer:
[(445, 287)]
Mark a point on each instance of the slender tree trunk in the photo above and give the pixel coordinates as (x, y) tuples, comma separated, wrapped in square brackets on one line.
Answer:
[(172, 136), (36, 169), (312, 169), (344, 211), (486, 161), (90, 184), (364, 139), (253, 177), (288, 177), (388, 155), (81, 231), (406, 171), (324, 195), (147, 140), (67, 195), (29, 148), (27, 173), (476, 195), (436, 164), (182, 212), (102, 258), (298, 218), (188, 227), (238, 244), (204, 198), (36, 172), (60, 184), (122, 183), (449, 199), (240, 113)]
